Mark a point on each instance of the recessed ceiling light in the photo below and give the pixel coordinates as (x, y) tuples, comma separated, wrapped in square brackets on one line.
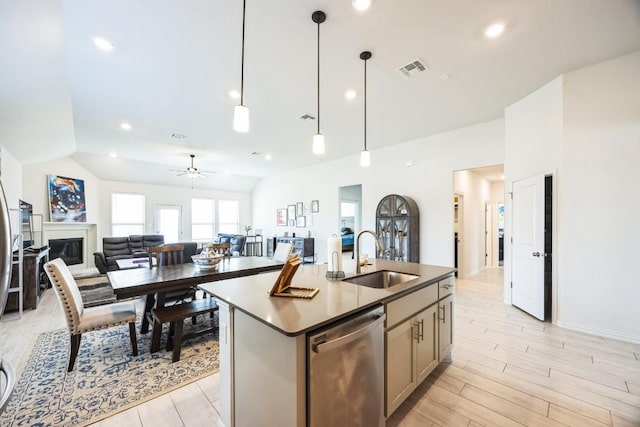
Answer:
[(126, 126), (494, 30), (103, 44), (361, 5), (267, 156), (350, 94), (113, 155), (445, 76), (234, 94)]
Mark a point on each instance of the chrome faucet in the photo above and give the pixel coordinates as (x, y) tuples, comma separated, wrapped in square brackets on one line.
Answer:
[(378, 243)]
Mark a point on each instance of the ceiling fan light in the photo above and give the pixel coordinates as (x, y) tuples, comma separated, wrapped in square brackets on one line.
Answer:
[(361, 5), (241, 118), (318, 143), (365, 158)]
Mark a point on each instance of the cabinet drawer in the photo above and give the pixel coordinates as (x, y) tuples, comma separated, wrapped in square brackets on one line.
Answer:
[(445, 287), (409, 305)]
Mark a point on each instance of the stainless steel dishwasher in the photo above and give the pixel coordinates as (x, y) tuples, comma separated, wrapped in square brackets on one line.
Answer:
[(345, 377)]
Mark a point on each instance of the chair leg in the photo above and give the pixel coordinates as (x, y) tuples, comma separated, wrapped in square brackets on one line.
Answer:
[(75, 346), (132, 336)]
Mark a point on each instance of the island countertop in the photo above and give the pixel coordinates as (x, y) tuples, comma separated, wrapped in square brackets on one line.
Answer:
[(335, 300)]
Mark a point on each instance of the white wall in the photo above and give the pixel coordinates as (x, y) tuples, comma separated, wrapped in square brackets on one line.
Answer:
[(98, 196), (476, 192), (600, 210), (11, 178), (585, 128), (165, 195), (429, 182)]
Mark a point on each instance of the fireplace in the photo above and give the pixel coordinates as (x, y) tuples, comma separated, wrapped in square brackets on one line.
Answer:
[(70, 250)]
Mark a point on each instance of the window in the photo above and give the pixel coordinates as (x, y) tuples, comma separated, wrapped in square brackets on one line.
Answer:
[(202, 220), (127, 214), (228, 216)]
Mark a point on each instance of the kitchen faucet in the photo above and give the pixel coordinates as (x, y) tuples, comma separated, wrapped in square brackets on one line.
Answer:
[(375, 236)]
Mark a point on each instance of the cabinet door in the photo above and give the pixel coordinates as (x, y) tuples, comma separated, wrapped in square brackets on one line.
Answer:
[(400, 372), (427, 345), (445, 330)]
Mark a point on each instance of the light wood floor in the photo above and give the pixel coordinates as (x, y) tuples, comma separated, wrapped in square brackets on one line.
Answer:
[(507, 369)]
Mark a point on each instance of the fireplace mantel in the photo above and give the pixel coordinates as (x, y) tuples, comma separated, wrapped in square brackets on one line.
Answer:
[(66, 230)]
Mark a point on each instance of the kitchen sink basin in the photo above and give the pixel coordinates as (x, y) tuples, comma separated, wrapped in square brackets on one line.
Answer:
[(381, 279)]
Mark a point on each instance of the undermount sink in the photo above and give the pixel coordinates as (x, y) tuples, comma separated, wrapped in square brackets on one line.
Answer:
[(381, 279)]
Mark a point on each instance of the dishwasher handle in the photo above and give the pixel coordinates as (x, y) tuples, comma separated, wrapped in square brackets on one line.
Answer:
[(338, 342)]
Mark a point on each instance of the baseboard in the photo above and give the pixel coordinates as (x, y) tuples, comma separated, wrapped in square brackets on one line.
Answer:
[(634, 339)]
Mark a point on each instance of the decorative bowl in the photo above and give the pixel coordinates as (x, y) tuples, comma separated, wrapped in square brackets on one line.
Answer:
[(210, 261)]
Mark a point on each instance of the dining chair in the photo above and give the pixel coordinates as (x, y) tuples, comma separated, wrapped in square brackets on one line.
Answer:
[(166, 255), (282, 252), (81, 319)]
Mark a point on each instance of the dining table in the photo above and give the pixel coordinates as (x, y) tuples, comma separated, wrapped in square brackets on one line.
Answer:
[(155, 282)]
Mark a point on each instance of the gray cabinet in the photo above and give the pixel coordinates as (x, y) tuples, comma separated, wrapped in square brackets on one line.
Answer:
[(304, 246), (398, 226)]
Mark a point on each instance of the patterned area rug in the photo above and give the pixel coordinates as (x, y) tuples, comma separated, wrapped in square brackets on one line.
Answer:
[(106, 379)]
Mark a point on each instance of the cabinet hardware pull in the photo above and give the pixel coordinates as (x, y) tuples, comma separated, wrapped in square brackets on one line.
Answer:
[(446, 286), (421, 330), (442, 308), (415, 328)]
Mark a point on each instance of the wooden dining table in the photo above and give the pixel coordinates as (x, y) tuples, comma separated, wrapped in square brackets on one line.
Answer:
[(157, 281)]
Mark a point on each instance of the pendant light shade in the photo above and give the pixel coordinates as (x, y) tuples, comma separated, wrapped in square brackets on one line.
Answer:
[(318, 139), (241, 112), (318, 143), (365, 157)]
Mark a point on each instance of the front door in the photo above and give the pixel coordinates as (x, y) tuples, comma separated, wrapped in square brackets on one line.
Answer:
[(527, 276), (169, 222)]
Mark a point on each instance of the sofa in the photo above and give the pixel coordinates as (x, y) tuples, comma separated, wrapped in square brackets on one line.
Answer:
[(115, 248), (237, 241)]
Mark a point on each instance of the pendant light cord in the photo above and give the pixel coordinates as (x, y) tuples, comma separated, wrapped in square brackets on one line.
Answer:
[(365, 105), (244, 8), (318, 99)]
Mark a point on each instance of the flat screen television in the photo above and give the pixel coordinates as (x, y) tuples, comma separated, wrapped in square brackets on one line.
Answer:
[(26, 218)]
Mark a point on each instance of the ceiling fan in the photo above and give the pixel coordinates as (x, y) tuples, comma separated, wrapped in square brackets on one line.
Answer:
[(192, 171)]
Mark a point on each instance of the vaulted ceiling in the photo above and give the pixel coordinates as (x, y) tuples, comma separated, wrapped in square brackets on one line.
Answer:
[(174, 63)]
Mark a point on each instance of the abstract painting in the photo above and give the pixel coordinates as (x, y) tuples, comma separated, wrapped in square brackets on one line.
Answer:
[(66, 199)]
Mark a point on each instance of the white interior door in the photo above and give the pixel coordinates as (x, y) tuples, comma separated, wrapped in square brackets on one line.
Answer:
[(527, 275), (169, 222)]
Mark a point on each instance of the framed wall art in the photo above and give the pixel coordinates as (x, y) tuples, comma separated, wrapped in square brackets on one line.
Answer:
[(281, 217), (299, 209), (301, 222), (291, 212), (315, 206), (66, 199)]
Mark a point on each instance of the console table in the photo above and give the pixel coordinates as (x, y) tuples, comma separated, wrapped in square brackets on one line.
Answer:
[(253, 245), (34, 280)]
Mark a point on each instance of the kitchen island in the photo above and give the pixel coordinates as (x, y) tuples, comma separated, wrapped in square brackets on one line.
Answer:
[(263, 360)]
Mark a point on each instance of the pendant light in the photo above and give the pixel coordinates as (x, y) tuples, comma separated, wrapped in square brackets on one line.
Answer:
[(241, 112), (318, 139), (365, 158)]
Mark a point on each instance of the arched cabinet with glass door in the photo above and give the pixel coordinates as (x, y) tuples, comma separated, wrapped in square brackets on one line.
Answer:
[(398, 226)]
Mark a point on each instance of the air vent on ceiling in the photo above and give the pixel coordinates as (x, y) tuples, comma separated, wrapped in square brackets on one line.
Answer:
[(178, 136), (306, 117), (413, 68)]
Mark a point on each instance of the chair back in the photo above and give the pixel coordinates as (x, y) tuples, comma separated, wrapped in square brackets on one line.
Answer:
[(67, 292), (165, 255), (283, 250)]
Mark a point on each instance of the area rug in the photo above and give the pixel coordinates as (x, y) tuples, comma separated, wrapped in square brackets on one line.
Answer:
[(107, 379), (96, 291)]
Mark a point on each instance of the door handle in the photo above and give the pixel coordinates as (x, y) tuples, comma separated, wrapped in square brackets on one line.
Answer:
[(536, 254)]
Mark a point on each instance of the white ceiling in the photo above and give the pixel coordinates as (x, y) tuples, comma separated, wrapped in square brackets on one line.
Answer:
[(175, 61)]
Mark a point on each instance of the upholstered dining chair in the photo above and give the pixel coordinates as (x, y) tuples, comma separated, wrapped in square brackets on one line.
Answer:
[(283, 250), (80, 319)]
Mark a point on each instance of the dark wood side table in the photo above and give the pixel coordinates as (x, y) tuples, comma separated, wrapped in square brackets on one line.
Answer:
[(34, 280)]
